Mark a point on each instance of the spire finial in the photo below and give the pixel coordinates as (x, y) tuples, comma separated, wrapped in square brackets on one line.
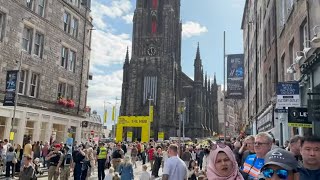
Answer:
[(127, 55), (198, 52)]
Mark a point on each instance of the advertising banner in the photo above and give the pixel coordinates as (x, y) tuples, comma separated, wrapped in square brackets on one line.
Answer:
[(129, 136), (314, 109), (298, 117), (235, 76), (11, 87), (265, 122), (160, 136), (288, 94)]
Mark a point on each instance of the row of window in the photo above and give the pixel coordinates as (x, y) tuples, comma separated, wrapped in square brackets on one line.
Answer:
[(29, 84), (36, 6), (33, 41)]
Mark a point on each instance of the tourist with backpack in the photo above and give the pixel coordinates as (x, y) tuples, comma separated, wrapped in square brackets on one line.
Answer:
[(65, 163)]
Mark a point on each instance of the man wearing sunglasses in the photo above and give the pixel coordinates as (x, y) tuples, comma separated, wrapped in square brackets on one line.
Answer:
[(310, 151), (253, 163), (280, 164)]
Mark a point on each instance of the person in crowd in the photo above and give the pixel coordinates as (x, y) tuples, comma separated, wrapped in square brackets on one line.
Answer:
[(91, 158), (27, 170), (286, 145), (101, 158), (205, 159), (247, 148), (78, 156), (295, 146), (5, 148), (117, 155), (85, 169), (193, 153), (109, 157), (54, 158), (27, 150), (175, 168), (44, 153), (143, 154), (125, 169), (145, 175), (222, 164), (19, 155), (157, 162), (237, 145), (37, 169), (11, 160), (65, 163), (134, 155), (124, 148), (253, 163), (193, 170), (279, 164), (200, 155), (164, 156), (275, 143), (310, 151), (36, 150), (151, 153), (110, 175), (186, 156)]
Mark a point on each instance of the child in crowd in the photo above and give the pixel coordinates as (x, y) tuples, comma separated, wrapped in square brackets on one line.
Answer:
[(145, 175), (110, 175)]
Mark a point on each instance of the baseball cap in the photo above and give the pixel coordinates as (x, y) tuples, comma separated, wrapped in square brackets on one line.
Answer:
[(57, 146), (282, 158)]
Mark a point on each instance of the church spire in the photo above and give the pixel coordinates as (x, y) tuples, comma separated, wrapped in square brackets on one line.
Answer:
[(198, 53), (127, 56), (209, 84), (205, 81), (198, 72), (215, 80)]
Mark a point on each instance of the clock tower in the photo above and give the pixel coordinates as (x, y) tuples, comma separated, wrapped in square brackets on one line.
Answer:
[(151, 76)]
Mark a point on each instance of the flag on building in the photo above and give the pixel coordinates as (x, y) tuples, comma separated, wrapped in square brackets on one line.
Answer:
[(151, 113), (105, 116), (113, 113)]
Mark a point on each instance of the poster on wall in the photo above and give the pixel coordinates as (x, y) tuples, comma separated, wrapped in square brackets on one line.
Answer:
[(11, 87), (235, 76), (288, 94), (298, 117)]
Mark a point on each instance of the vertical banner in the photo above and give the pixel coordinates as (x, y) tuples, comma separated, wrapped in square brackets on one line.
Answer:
[(151, 113), (235, 76), (160, 136), (11, 87), (113, 113), (105, 116), (129, 136)]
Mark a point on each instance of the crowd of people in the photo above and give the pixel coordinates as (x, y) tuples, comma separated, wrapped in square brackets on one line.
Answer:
[(251, 158)]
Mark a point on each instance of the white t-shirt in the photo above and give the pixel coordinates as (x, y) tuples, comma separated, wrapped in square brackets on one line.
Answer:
[(145, 176), (175, 168)]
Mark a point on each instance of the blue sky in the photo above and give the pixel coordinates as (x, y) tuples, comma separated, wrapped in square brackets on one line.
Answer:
[(203, 21)]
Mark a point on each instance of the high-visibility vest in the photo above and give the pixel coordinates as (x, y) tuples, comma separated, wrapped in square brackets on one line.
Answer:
[(103, 153)]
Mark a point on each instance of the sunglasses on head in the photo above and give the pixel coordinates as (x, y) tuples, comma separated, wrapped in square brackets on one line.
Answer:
[(281, 173), (215, 146)]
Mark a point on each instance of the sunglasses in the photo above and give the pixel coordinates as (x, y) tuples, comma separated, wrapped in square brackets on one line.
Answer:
[(215, 146), (281, 173)]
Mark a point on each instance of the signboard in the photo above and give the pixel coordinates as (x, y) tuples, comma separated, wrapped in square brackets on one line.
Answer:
[(11, 138), (84, 124), (298, 117), (288, 94), (235, 76), (160, 136), (133, 121), (11, 86), (129, 136), (265, 123), (314, 110)]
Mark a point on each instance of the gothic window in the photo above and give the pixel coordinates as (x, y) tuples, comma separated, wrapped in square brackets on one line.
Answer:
[(150, 89)]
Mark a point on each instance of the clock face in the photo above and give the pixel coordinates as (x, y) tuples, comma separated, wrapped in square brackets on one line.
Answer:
[(151, 51)]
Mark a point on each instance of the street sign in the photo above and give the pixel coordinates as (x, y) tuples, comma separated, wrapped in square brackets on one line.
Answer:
[(298, 117), (288, 94), (84, 124)]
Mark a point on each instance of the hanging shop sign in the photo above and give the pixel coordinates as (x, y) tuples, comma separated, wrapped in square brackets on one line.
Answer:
[(314, 109), (235, 76), (288, 94), (298, 117), (265, 122), (11, 87)]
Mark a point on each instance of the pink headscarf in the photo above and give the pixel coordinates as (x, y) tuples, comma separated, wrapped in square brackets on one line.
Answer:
[(212, 172)]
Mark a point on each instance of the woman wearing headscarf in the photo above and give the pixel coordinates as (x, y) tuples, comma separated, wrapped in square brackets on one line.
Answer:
[(222, 164)]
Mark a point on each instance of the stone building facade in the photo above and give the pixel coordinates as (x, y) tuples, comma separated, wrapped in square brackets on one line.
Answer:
[(281, 30), (154, 75), (51, 41)]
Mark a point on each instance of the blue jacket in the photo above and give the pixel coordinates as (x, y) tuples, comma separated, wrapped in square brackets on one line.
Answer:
[(126, 172), (306, 174)]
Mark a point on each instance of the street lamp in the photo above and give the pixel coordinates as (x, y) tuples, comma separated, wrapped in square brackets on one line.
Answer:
[(181, 109)]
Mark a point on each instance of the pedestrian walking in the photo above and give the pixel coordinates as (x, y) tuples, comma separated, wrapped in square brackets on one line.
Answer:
[(19, 155), (125, 169), (27, 170), (134, 155), (117, 155), (78, 156), (145, 175), (175, 168), (222, 164), (157, 162), (151, 156), (54, 158), (11, 160), (65, 163), (101, 158)]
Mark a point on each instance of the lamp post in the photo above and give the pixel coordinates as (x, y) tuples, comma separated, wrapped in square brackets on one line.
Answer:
[(181, 109)]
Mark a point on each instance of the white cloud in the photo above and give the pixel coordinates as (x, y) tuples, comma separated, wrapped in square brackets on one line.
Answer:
[(108, 48), (117, 8), (128, 18), (191, 28)]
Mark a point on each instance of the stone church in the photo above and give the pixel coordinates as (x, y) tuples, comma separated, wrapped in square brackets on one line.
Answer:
[(154, 76)]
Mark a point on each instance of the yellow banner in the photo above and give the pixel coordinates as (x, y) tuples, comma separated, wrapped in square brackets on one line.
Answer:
[(300, 125), (11, 138), (129, 134), (160, 136), (105, 116), (151, 113), (133, 121), (113, 113)]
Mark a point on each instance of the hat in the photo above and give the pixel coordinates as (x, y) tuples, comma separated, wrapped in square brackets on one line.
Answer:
[(57, 146), (282, 158)]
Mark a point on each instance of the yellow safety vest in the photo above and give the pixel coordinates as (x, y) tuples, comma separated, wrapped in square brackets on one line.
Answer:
[(103, 153)]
